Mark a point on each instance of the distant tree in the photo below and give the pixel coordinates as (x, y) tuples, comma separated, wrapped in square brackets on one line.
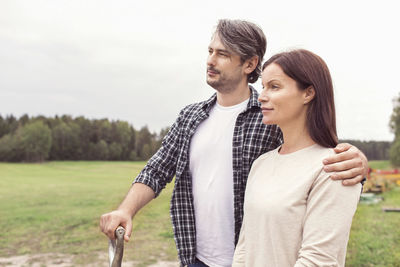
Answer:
[(374, 150), (147, 151), (121, 134), (394, 123), (102, 150), (98, 151), (35, 141), (27, 139), (10, 150), (144, 143), (395, 153), (101, 130), (131, 149), (85, 133), (160, 137), (114, 151), (133, 156), (24, 120), (65, 144), (3, 127), (67, 119), (11, 125), (395, 127)]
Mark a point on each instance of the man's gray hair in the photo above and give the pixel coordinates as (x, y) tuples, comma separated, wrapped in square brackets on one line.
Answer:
[(245, 39)]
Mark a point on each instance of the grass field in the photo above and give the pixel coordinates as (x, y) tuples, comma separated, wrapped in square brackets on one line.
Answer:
[(379, 164), (55, 207), (375, 235)]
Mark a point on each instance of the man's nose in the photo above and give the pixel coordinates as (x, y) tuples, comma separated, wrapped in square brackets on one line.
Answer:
[(211, 59)]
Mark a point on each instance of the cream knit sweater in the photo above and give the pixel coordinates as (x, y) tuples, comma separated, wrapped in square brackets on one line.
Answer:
[(294, 214)]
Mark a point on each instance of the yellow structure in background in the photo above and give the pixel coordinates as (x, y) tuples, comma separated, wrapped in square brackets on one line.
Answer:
[(379, 181)]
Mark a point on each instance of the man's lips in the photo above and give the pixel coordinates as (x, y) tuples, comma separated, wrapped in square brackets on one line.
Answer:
[(212, 72)]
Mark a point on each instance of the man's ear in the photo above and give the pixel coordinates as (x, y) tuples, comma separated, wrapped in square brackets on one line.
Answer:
[(250, 64), (309, 94)]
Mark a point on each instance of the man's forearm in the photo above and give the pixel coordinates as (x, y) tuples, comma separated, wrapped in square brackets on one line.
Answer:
[(138, 196)]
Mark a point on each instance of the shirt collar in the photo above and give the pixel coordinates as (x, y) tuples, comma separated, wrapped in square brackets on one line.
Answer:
[(253, 101)]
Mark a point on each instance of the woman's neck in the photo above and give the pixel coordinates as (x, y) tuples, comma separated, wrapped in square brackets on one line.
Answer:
[(295, 137)]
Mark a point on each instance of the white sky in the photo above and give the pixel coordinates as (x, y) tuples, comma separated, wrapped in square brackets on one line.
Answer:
[(142, 61)]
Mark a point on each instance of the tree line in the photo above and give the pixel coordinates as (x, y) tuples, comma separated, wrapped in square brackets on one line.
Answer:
[(34, 139), (395, 128), (373, 150)]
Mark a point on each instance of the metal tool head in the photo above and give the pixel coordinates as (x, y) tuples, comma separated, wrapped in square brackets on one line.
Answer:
[(116, 248)]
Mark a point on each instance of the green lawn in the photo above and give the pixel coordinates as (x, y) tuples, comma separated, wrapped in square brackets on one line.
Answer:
[(379, 164), (375, 235), (55, 207)]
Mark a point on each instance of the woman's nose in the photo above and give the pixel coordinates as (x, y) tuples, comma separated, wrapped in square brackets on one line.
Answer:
[(263, 97)]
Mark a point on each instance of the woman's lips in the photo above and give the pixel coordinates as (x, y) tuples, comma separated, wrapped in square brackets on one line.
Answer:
[(266, 110)]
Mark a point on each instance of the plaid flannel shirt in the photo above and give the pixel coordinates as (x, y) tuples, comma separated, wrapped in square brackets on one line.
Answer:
[(251, 138)]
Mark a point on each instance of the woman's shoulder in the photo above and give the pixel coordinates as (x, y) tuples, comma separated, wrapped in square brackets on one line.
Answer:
[(321, 151), (309, 154), (265, 158), (268, 154), (324, 177)]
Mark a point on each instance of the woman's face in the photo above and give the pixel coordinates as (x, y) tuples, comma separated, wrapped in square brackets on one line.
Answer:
[(282, 102)]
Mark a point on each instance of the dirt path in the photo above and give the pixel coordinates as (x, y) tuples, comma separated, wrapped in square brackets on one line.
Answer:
[(63, 260)]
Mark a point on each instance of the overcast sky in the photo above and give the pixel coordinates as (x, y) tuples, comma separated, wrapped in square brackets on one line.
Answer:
[(142, 61)]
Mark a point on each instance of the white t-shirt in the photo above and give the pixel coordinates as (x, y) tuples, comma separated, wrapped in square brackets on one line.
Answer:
[(212, 178)]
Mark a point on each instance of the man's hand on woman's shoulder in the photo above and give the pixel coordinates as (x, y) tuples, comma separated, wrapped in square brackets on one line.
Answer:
[(349, 164)]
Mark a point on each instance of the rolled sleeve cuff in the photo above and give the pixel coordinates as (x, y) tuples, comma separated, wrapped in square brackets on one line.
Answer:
[(147, 178)]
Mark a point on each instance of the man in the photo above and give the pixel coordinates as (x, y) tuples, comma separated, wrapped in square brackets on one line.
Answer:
[(210, 149)]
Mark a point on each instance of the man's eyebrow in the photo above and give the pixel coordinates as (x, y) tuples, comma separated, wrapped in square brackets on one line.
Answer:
[(220, 50), (224, 51)]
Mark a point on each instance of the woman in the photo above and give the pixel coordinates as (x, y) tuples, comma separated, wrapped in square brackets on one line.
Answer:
[(294, 214)]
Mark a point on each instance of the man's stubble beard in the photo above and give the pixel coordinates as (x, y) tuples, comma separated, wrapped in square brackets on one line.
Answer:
[(224, 85), (220, 87)]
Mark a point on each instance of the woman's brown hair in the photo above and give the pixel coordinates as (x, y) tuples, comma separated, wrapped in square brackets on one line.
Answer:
[(308, 69)]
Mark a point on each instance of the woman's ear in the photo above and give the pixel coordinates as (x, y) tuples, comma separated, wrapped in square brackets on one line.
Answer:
[(309, 94)]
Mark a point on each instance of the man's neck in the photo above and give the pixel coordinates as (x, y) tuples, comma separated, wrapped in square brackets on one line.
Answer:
[(236, 96)]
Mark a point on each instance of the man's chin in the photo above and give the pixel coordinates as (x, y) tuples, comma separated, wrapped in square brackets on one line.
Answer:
[(213, 84)]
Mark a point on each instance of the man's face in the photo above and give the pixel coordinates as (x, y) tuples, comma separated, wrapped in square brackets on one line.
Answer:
[(224, 68)]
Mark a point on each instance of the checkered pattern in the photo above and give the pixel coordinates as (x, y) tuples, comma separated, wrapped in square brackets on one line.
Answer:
[(251, 138)]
